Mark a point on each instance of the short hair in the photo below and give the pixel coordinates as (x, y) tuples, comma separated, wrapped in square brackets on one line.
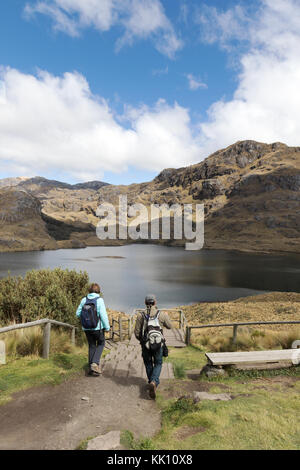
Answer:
[(94, 289)]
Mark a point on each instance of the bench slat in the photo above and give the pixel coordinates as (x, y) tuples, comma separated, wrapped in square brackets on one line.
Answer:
[(250, 357)]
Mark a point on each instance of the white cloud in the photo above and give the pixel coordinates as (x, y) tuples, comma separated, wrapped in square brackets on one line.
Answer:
[(56, 123), (164, 71), (184, 13), (266, 103), (195, 83), (140, 19), (49, 122), (223, 26)]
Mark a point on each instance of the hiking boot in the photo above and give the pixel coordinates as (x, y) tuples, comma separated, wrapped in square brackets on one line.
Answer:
[(94, 369), (152, 390)]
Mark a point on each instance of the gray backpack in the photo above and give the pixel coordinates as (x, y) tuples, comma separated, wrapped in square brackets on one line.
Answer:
[(152, 332)]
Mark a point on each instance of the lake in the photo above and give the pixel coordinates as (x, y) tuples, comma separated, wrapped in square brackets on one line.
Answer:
[(177, 277)]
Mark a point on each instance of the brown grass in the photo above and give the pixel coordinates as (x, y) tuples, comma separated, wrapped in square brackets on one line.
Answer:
[(275, 306), (29, 342)]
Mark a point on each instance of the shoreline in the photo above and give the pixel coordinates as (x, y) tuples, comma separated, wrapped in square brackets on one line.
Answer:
[(169, 245)]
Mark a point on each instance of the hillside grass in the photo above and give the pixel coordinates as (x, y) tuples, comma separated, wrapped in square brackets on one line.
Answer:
[(274, 306), (263, 414)]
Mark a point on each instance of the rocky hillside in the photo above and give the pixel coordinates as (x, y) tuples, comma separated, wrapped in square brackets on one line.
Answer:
[(21, 225), (251, 193)]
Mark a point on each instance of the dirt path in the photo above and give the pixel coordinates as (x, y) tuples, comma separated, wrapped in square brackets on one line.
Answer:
[(57, 418)]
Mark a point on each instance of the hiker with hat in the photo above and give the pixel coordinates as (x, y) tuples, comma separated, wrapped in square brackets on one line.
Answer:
[(149, 332), (94, 321)]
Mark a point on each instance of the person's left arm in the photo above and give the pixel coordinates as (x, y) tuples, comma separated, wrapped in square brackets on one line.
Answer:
[(103, 314), (166, 321)]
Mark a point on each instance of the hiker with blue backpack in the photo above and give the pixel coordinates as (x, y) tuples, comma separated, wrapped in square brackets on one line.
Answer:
[(94, 321), (149, 332)]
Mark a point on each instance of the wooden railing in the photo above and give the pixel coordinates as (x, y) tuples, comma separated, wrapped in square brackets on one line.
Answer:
[(47, 331), (121, 328), (235, 327)]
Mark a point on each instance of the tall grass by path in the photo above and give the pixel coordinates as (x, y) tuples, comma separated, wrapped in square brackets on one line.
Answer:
[(248, 339), (29, 341)]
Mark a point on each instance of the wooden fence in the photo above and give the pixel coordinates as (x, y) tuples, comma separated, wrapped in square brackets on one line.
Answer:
[(235, 327), (47, 331), (121, 328)]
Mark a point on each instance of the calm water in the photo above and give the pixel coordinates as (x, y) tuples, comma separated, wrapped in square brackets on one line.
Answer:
[(176, 276)]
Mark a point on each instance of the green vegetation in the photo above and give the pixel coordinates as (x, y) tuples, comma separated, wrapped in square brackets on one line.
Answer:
[(83, 444), (43, 293), (129, 442), (264, 412), (31, 371), (193, 358)]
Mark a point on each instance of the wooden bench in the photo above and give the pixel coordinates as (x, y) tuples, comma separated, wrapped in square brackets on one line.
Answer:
[(255, 359)]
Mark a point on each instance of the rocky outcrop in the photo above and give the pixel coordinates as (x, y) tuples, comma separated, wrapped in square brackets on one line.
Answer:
[(253, 183), (21, 224), (17, 205), (209, 189)]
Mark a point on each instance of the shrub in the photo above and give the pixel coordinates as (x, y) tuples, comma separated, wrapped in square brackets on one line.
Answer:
[(44, 293)]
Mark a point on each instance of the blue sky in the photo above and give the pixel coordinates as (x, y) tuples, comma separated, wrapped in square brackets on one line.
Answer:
[(162, 88)]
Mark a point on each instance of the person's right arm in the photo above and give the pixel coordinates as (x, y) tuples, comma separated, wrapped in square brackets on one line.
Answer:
[(138, 326)]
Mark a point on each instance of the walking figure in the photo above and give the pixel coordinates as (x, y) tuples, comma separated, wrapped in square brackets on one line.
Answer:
[(94, 321), (149, 332)]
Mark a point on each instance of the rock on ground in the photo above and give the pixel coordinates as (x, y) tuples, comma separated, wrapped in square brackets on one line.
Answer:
[(108, 441), (198, 396)]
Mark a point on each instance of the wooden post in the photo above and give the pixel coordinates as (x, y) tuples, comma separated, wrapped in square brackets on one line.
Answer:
[(180, 319), (235, 327), (188, 335), (73, 335), (129, 327), (2, 353), (120, 328), (46, 344)]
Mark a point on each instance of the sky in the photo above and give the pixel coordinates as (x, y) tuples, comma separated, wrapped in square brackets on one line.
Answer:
[(118, 90)]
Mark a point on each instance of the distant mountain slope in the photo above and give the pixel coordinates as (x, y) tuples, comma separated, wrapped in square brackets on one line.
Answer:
[(8, 182), (251, 193)]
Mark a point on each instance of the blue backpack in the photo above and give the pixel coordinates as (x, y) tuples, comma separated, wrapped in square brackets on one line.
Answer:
[(89, 316)]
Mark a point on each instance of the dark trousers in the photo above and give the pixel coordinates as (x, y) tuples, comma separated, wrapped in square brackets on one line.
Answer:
[(96, 340), (153, 363)]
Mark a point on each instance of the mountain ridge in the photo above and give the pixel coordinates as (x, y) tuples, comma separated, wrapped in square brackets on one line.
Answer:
[(250, 190)]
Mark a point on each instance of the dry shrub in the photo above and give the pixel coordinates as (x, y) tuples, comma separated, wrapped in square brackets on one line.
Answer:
[(29, 342)]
